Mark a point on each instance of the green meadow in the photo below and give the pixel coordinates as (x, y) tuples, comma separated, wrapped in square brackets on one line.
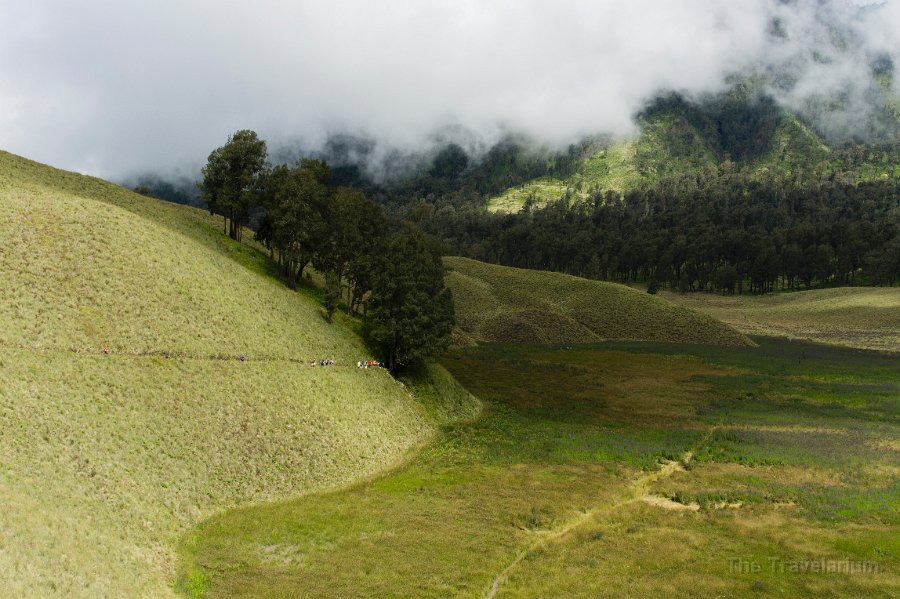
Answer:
[(619, 469), (107, 459), (581, 439)]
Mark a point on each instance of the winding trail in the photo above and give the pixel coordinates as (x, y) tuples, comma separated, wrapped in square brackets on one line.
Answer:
[(636, 491)]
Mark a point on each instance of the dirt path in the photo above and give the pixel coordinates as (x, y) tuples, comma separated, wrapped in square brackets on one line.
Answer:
[(165, 354), (636, 491)]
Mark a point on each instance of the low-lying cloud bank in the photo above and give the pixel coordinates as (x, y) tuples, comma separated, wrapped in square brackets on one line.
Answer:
[(114, 88)]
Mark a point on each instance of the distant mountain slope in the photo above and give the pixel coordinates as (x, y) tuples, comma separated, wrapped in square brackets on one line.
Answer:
[(677, 136), (498, 303), (106, 459)]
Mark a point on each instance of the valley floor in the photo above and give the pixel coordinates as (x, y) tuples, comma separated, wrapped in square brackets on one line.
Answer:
[(615, 469)]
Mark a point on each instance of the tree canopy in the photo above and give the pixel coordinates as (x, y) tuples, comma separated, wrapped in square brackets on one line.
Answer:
[(232, 179), (410, 313)]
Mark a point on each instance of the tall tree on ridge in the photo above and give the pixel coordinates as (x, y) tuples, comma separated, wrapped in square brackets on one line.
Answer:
[(410, 312), (232, 179)]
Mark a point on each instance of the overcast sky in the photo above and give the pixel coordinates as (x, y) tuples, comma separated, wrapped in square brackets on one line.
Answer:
[(117, 87)]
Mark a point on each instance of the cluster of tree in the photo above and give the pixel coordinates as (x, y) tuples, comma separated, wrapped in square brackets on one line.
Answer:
[(392, 276), (716, 230)]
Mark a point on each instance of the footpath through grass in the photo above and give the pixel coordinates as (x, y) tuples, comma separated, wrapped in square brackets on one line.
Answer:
[(618, 469)]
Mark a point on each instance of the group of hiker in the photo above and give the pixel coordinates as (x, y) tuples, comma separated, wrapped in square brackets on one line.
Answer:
[(323, 362), (368, 363)]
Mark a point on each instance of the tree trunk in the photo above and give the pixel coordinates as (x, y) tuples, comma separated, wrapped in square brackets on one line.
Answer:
[(292, 275), (392, 362)]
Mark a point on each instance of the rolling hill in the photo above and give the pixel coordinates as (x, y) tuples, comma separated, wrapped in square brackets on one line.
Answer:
[(502, 304), (106, 459), (862, 317)]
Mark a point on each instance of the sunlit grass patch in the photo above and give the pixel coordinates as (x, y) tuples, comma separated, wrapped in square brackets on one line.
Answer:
[(864, 317)]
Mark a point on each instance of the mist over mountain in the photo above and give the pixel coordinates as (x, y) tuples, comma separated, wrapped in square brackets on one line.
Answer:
[(120, 90)]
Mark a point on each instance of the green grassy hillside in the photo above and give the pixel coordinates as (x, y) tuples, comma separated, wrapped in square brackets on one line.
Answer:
[(106, 459), (671, 143), (863, 317), (497, 303), (666, 145)]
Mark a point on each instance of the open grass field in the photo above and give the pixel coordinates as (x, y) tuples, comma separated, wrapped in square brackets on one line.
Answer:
[(863, 317), (502, 304), (105, 460), (618, 469)]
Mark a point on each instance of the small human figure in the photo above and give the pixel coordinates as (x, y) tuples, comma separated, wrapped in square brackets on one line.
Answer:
[(243, 357), (105, 351)]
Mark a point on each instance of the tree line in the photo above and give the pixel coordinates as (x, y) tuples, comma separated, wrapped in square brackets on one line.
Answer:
[(719, 229), (391, 275)]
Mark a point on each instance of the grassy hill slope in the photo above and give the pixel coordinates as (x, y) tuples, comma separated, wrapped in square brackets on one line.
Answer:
[(863, 317), (106, 459), (498, 303), (671, 142), (666, 145)]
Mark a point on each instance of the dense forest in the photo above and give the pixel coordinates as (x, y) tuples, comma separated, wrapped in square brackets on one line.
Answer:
[(718, 230), (744, 216)]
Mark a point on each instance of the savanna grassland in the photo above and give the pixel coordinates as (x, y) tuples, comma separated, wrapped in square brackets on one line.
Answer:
[(620, 469), (557, 463), (107, 459), (502, 304), (863, 317)]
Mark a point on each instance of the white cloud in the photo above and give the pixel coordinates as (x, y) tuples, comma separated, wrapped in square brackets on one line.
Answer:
[(113, 87)]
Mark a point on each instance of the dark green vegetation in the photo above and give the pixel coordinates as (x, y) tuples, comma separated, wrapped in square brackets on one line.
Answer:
[(728, 193), (502, 304), (345, 236), (617, 469), (410, 312), (718, 230), (232, 179)]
